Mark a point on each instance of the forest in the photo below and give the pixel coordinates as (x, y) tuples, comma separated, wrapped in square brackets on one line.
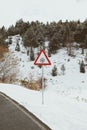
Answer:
[(59, 34)]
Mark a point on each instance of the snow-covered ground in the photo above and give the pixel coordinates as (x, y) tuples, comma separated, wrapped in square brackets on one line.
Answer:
[(65, 97)]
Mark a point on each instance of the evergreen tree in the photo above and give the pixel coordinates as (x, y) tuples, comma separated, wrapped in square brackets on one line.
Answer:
[(85, 41), (86, 57), (10, 41), (63, 69), (21, 27), (54, 44), (49, 52), (11, 30), (28, 52), (17, 48), (29, 38), (82, 67), (82, 49), (54, 71), (32, 58)]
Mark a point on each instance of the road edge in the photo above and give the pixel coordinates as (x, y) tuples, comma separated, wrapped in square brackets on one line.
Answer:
[(41, 124)]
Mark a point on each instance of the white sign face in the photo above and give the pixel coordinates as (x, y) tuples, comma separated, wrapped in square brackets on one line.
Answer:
[(42, 59)]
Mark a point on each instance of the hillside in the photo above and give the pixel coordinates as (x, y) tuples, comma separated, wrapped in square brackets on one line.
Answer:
[(71, 81), (65, 96)]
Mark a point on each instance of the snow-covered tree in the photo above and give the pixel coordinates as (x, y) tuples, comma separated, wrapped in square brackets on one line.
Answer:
[(82, 67), (49, 53), (86, 57), (10, 40), (54, 71), (28, 52), (17, 48), (63, 69)]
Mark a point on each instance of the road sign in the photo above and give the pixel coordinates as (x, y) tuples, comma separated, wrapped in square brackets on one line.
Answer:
[(42, 59)]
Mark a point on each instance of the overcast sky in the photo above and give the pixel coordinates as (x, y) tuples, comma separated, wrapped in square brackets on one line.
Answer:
[(42, 10)]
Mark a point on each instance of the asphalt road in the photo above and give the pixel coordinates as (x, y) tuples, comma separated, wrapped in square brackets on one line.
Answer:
[(15, 117)]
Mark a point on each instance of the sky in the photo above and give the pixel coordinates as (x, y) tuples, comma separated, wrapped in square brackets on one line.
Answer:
[(42, 10)]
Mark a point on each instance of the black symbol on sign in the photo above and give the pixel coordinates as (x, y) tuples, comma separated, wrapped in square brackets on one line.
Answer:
[(42, 60)]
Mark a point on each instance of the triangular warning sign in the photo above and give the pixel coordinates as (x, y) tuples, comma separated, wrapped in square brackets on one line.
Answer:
[(42, 59)]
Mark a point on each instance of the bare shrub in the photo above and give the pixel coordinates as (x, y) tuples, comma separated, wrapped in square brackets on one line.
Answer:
[(33, 85), (8, 68)]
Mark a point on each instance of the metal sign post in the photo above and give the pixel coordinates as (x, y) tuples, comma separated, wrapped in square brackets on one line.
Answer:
[(42, 60), (42, 84)]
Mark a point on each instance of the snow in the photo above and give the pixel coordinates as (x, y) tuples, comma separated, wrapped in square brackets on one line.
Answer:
[(65, 97), (58, 111)]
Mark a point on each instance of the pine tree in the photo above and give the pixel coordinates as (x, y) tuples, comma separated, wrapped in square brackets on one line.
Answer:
[(32, 55), (86, 57), (29, 38), (10, 41), (63, 69), (82, 49), (17, 47), (49, 52), (54, 71), (28, 52), (82, 67)]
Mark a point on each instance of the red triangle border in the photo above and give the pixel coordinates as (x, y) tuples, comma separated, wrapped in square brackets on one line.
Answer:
[(35, 63)]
